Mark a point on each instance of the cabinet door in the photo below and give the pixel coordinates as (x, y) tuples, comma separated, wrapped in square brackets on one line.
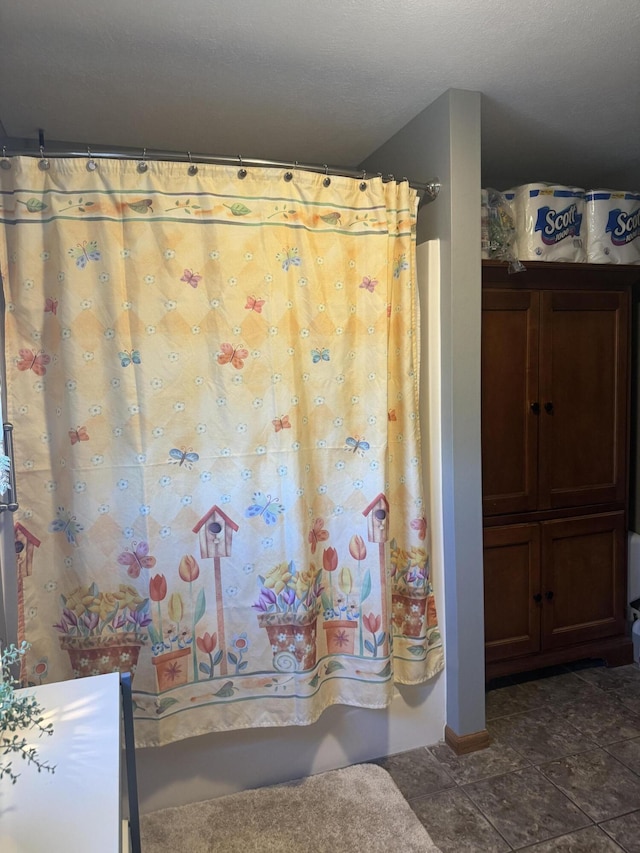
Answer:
[(511, 591), (583, 579), (509, 395), (583, 392)]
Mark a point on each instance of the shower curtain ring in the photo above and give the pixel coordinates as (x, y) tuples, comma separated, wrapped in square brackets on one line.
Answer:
[(363, 183), (44, 164), (242, 172), (327, 180), (288, 176), (142, 165), (91, 163), (193, 169), (5, 163)]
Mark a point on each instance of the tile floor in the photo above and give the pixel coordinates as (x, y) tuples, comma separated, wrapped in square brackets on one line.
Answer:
[(562, 772)]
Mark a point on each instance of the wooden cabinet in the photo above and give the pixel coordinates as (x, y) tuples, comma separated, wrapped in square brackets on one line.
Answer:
[(553, 585), (512, 591), (509, 401), (555, 413), (583, 389), (583, 578), (554, 399)]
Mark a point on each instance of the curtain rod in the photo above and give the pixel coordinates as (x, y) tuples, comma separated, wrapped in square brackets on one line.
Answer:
[(14, 147)]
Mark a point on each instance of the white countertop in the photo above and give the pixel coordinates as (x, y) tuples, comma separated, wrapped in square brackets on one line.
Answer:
[(77, 808)]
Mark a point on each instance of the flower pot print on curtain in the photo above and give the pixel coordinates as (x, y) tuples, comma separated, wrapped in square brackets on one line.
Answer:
[(340, 636), (103, 631), (412, 599), (171, 668), (97, 655), (409, 614), (214, 386), (292, 638)]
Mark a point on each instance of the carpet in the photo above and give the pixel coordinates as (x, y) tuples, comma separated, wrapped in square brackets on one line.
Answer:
[(355, 810)]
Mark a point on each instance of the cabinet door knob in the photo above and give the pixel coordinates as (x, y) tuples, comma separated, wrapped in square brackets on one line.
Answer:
[(548, 407), (535, 408), (537, 597), (548, 595)]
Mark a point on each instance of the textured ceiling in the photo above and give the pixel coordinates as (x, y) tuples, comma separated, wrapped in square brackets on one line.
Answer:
[(330, 81)]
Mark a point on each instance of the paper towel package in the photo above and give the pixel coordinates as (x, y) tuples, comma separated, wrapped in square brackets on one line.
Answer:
[(484, 224), (613, 227), (498, 225), (550, 223), (510, 197)]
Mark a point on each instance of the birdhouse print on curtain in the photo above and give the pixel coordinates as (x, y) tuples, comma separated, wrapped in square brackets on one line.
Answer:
[(24, 542), (377, 515), (215, 531)]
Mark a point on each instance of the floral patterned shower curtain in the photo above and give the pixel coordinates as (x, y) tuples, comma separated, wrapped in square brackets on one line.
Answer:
[(214, 386)]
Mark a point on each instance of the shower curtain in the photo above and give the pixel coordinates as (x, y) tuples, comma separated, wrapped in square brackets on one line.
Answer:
[(214, 386)]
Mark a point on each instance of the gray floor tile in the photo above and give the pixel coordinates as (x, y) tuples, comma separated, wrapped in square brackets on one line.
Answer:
[(629, 694), (488, 801), (508, 700), (492, 761), (590, 840), (626, 831), (610, 678), (596, 782), (540, 735), (604, 718), (560, 689), (628, 752), (455, 824), (416, 772), (525, 807)]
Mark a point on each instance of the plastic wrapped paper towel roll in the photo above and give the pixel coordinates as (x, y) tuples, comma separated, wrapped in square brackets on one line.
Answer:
[(613, 227), (484, 223), (510, 196), (498, 227), (550, 223)]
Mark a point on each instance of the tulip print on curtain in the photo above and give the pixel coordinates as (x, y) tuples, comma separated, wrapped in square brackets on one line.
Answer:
[(214, 386)]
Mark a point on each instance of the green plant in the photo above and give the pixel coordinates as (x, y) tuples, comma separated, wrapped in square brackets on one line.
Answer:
[(18, 714)]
